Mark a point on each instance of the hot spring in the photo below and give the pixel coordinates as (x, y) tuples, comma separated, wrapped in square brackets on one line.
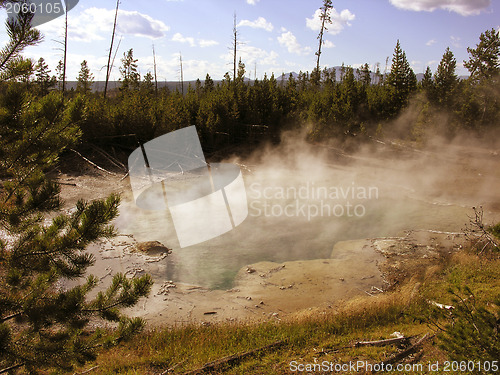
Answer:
[(303, 199)]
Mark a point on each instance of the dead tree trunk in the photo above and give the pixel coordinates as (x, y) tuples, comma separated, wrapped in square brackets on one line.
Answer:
[(65, 46), (181, 73), (154, 66), (108, 67), (235, 44)]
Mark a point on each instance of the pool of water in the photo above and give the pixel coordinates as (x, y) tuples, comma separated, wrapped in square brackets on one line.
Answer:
[(293, 216)]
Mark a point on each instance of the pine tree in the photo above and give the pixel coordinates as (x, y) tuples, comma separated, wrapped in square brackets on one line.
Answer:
[(240, 78), (43, 326), (130, 76), (147, 84), (427, 82), (60, 74), (198, 88), (21, 35), (85, 79), (209, 84), (483, 105), (445, 79), (401, 78), (43, 79), (484, 61), (365, 75)]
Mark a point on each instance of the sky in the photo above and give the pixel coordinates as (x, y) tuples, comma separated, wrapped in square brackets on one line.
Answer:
[(274, 36)]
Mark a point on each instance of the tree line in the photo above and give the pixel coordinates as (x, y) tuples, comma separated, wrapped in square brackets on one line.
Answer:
[(357, 102)]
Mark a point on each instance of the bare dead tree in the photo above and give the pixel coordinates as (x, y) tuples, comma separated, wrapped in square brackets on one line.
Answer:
[(325, 19), (181, 73), (116, 52), (65, 45), (108, 68), (154, 68), (479, 234), (235, 46)]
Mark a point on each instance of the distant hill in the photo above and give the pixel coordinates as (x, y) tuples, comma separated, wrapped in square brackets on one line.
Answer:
[(338, 73), (175, 85), (114, 85)]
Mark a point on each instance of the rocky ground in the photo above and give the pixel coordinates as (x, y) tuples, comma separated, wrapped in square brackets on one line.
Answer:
[(272, 291)]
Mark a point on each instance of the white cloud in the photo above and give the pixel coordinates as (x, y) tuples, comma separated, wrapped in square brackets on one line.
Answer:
[(288, 40), (431, 42), (455, 41), (192, 68), (137, 24), (252, 2), (462, 7), (178, 37), (96, 24), (416, 65), (339, 21), (328, 44), (207, 43), (259, 23), (250, 55)]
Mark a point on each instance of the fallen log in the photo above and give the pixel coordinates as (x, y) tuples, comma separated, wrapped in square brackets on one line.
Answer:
[(441, 306), (405, 353), (396, 340), (110, 158), (86, 371), (232, 359), (92, 163), (171, 369)]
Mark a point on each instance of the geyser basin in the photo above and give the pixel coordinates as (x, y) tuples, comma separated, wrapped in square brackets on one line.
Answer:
[(397, 188), (292, 216)]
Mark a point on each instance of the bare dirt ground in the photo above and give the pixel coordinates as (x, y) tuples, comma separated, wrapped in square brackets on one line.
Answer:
[(269, 290)]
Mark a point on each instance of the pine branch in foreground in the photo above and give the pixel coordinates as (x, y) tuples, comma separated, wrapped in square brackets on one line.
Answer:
[(43, 325)]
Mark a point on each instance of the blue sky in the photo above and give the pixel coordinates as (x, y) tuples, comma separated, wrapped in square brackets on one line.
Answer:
[(276, 35)]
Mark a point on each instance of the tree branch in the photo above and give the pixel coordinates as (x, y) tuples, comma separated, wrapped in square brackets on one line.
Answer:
[(12, 316), (8, 369)]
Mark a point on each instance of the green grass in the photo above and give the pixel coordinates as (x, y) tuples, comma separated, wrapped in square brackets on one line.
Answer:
[(371, 318)]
